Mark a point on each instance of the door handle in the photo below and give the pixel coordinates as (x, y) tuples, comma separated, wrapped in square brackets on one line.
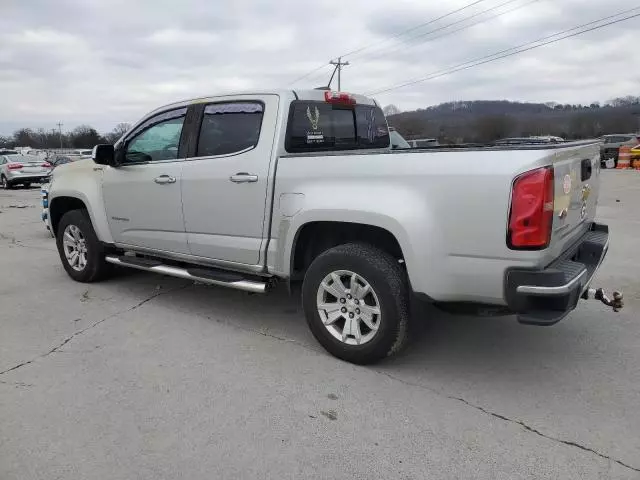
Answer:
[(243, 177), (164, 179)]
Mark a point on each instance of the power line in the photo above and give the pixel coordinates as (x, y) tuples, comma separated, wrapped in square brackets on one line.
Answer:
[(514, 50), (397, 47), (308, 74), (444, 27), (320, 67), (404, 32), (408, 46), (452, 32)]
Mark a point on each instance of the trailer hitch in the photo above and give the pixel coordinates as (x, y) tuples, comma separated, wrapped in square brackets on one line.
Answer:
[(615, 303)]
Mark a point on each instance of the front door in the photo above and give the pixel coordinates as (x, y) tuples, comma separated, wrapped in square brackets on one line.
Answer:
[(142, 196), (224, 186)]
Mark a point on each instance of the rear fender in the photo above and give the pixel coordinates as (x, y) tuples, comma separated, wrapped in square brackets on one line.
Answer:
[(400, 211)]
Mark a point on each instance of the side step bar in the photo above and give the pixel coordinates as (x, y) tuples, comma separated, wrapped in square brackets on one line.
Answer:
[(210, 277)]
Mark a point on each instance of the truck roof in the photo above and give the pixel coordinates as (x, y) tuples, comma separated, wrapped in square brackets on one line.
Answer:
[(305, 94)]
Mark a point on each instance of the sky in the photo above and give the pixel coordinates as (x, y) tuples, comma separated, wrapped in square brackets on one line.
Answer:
[(101, 62)]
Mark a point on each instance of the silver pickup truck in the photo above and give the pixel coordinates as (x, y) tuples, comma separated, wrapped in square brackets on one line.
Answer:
[(302, 187)]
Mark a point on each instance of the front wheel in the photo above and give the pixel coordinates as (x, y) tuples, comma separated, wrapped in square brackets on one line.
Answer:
[(356, 301), (79, 248)]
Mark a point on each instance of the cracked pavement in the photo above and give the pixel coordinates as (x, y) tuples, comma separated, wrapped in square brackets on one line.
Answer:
[(145, 376)]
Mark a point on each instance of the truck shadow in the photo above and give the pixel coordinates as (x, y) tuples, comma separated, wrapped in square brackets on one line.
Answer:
[(440, 343)]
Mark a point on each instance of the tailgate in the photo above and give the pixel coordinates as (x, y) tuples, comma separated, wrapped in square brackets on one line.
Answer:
[(577, 182)]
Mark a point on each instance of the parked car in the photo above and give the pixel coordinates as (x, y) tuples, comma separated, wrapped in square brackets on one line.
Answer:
[(80, 154), (424, 142), (611, 146), (61, 160), (56, 161), (302, 187), (527, 141), (24, 170)]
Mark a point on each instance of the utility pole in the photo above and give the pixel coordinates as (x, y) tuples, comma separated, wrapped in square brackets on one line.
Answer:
[(60, 130), (339, 64)]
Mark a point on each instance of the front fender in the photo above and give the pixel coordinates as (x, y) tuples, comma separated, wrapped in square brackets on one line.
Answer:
[(82, 180)]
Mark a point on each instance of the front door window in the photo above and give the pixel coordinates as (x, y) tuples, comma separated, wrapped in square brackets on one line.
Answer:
[(158, 139)]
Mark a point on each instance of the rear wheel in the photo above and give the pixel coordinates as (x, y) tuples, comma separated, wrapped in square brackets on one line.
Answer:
[(5, 183), (356, 301), (79, 248)]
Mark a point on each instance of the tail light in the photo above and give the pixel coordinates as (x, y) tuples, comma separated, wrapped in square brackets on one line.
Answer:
[(531, 217), (339, 98), (46, 165), (14, 166)]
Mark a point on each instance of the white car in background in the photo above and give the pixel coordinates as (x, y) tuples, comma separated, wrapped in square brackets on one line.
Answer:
[(82, 154), (22, 170)]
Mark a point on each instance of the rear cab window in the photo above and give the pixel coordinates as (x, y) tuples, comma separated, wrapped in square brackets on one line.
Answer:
[(316, 126)]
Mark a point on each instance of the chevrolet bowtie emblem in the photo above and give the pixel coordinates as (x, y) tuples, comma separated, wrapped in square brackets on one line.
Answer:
[(586, 191)]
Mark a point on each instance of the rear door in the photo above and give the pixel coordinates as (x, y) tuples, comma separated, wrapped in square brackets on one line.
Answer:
[(224, 184)]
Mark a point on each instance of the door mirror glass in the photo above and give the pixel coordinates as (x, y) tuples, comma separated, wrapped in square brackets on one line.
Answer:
[(103, 154)]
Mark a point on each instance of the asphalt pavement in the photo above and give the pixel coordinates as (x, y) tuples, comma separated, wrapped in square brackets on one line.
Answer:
[(150, 377)]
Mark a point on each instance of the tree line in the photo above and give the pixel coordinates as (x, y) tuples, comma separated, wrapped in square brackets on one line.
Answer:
[(486, 121), (83, 136), (451, 122)]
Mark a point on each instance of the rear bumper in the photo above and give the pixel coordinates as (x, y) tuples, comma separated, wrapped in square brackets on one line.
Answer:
[(32, 178), (544, 297)]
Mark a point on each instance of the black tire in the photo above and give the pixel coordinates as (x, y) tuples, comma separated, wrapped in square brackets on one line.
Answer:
[(389, 281), (5, 183), (96, 268)]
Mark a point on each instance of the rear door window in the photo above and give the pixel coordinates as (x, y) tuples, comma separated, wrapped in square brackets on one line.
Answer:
[(319, 126), (229, 128)]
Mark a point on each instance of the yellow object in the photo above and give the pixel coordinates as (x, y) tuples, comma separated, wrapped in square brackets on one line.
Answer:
[(635, 157)]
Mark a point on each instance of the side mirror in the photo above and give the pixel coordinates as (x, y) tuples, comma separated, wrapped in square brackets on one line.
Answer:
[(103, 154), (119, 155)]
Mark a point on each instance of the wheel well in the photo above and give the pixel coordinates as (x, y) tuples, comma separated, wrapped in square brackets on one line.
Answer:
[(62, 205), (317, 237)]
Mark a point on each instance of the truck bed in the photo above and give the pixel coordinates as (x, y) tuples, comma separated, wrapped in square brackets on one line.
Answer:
[(448, 207)]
